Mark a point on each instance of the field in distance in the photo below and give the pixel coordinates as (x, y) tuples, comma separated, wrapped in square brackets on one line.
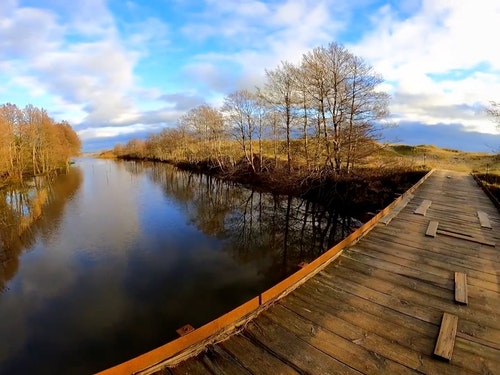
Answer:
[(441, 158)]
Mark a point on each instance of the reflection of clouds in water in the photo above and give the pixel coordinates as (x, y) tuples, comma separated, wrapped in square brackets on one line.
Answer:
[(107, 212), (104, 213), (140, 251)]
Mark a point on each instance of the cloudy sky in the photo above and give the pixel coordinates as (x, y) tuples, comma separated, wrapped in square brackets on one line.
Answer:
[(117, 69)]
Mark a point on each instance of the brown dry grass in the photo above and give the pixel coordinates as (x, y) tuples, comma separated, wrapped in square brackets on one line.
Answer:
[(440, 158)]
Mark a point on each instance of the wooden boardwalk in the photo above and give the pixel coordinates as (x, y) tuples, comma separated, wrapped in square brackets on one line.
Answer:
[(379, 306)]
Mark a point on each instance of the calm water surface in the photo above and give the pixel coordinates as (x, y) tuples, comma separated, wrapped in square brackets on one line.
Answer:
[(124, 253)]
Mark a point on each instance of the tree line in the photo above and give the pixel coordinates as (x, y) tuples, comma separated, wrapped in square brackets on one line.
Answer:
[(321, 114), (32, 143)]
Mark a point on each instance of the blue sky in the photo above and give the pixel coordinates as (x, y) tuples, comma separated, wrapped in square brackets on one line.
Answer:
[(119, 69)]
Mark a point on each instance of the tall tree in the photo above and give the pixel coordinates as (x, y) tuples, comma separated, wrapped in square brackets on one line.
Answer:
[(206, 123), (280, 91), (32, 143), (345, 92), (366, 105), (241, 109)]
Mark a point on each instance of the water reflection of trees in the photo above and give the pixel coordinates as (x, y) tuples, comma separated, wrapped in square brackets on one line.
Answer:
[(30, 210), (280, 231)]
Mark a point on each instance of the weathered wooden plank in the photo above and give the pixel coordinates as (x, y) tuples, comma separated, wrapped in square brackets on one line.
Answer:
[(476, 348), (396, 210), (486, 300), (484, 220), (446, 338), (431, 276), (487, 343), (344, 341), (420, 258), (432, 228), (332, 297), (461, 288), (474, 323), (389, 337), (255, 358), (437, 273), (438, 253), (291, 349), (465, 249), (221, 363), (448, 222), (414, 297), (193, 366), (387, 218), (422, 209), (329, 297), (467, 238)]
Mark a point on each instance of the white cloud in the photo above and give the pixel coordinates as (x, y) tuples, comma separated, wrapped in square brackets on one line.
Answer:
[(421, 56), (76, 57), (260, 36), (143, 65)]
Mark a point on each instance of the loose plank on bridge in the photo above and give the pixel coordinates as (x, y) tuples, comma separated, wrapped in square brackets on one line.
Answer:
[(461, 288), (422, 209), (484, 219), (432, 228), (446, 338)]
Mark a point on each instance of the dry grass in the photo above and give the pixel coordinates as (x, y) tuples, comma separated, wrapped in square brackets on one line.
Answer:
[(388, 156), (108, 154), (441, 158)]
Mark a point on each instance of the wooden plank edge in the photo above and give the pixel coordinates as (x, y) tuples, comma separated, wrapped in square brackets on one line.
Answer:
[(477, 340), (487, 191), (397, 209), (446, 338)]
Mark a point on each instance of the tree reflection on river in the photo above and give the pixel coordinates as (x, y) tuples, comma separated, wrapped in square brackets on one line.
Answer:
[(21, 212), (252, 225), (109, 260)]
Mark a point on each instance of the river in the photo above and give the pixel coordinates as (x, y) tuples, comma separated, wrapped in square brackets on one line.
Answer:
[(106, 262)]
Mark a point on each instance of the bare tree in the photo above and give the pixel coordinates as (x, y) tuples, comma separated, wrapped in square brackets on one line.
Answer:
[(32, 143), (367, 105), (207, 125), (280, 91), (348, 104), (241, 109), (332, 99)]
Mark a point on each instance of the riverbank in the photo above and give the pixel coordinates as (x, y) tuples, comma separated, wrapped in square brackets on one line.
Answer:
[(378, 177), (359, 194)]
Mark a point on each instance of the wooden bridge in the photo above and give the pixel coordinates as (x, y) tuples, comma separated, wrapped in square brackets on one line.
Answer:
[(420, 293)]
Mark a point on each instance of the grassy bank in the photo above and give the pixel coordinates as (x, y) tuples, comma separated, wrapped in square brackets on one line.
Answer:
[(440, 158), (387, 171)]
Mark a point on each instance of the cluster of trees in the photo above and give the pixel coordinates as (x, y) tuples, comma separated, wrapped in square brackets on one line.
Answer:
[(31, 143), (320, 114)]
